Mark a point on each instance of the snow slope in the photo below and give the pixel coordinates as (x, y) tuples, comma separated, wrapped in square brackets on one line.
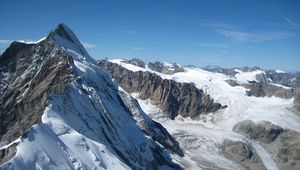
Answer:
[(200, 138), (240, 106), (87, 126), (243, 77)]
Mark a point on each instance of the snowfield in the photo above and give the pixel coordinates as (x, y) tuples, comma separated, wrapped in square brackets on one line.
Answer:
[(200, 138), (240, 107), (94, 124)]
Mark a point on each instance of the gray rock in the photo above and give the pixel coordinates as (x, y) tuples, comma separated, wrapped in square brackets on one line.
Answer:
[(297, 99), (162, 68), (232, 83), (7, 153), (34, 74), (270, 76), (241, 153), (260, 89), (263, 131), (150, 127), (283, 144), (171, 97), (27, 83), (285, 79), (136, 62), (287, 150)]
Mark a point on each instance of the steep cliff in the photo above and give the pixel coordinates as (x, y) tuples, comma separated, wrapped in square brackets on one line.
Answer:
[(171, 97), (60, 111)]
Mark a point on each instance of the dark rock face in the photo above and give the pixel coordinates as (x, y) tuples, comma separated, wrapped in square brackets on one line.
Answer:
[(286, 79), (26, 84), (150, 127), (284, 144), (32, 75), (297, 100), (232, 83), (264, 89), (264, 131), (160, 67), (241, 153), (260, 89), (136, 62), (288, 148), (7, 153), (171, 97)]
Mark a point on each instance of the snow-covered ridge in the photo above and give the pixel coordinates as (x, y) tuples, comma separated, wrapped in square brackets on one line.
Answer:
[(240, 106), (64, 38), (201, 138), (87, 126), (32, 42)]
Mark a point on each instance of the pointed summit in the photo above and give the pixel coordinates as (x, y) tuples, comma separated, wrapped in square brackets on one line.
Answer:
[(65, 32), (64, 37)]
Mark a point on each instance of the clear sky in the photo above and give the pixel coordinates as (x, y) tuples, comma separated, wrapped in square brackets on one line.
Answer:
[(225, 33)]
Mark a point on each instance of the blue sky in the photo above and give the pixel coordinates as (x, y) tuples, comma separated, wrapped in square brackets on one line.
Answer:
[(229, 33)]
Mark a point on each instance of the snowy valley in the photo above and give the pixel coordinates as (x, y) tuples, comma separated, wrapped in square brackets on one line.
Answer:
[(62, 109)]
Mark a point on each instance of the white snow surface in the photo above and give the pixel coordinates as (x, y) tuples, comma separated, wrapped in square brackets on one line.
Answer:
[(240, 106), (279, 71), (200, 138), (31, 42), (244, 77), (85, 127)]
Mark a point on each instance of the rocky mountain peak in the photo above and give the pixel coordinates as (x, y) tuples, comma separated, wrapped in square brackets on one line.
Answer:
[(64, 31), (97, 127), (63, 37)]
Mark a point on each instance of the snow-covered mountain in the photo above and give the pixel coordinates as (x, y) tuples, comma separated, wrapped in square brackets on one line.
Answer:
[(59, 110), (278, 77), (259, 128)]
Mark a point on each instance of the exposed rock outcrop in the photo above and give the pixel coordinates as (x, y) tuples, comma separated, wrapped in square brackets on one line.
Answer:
[(269, 76), (171, 97), (232, 83), (263, 131), (61, 105), (150, 127), (7, 153), (297, 100), (242, 153), (26, 84), (284, 144), (264, 89), (260, 89), (136, 62), (282, 78), (166, 69)]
